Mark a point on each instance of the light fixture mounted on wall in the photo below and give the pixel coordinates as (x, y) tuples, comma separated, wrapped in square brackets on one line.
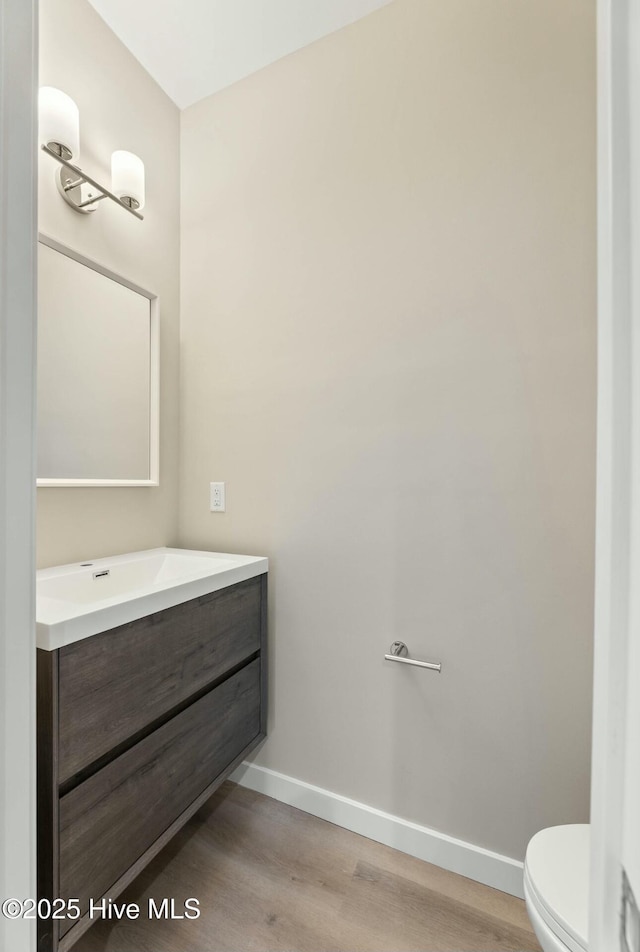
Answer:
[(59, 120)]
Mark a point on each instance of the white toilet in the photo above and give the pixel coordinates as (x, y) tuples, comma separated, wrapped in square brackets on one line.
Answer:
[(556, 887)]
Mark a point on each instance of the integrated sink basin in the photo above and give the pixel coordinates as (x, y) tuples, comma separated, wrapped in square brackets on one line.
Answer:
[(82, 599)]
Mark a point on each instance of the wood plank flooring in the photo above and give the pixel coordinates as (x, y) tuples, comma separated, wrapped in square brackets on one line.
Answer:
[(271, 878)]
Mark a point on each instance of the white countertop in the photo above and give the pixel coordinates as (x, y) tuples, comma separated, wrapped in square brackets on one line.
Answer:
[(82, 599)]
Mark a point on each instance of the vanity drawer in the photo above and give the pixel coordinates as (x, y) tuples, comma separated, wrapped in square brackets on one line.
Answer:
[(113, 685), (107, 822)]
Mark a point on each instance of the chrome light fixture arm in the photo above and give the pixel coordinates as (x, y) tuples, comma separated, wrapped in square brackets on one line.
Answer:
[(77, 187)]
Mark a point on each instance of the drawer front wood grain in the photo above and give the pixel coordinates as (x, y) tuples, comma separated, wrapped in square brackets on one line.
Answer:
[(109, 820), (115, 684)]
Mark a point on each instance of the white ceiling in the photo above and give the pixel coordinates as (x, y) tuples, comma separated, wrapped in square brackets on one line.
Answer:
[(193, 48)]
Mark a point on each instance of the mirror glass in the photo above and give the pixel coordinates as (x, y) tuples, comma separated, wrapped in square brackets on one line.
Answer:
[(97, 374)]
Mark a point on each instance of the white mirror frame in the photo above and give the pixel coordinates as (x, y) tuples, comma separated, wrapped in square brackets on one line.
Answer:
[(154, 375)]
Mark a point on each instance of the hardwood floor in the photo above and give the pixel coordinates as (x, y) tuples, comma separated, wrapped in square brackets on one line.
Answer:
[(271, 878)]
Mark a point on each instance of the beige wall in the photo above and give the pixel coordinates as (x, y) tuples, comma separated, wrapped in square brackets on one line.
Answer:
[(121, 107), (388, 354)]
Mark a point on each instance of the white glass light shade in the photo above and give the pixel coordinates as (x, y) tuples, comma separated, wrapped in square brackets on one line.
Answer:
[(127, 178), (59, 122)]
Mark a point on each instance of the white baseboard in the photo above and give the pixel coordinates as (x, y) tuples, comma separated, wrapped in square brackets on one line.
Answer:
[(476, 863)]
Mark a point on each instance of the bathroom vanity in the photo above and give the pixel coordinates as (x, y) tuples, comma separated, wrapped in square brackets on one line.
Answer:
[(151, 689)]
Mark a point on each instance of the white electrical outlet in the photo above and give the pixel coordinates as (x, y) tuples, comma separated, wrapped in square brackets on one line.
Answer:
[(216, 497)]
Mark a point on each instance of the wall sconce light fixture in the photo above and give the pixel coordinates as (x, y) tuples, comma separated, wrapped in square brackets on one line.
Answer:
[(59, 122)]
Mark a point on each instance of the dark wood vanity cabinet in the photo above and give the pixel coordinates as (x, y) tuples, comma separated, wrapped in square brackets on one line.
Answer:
[(137, 726)]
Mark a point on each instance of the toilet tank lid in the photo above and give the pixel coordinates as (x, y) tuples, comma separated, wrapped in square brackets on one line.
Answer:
[(557, 867)]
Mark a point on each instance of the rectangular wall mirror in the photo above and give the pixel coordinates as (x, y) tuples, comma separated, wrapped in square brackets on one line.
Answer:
[(98, 374)]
